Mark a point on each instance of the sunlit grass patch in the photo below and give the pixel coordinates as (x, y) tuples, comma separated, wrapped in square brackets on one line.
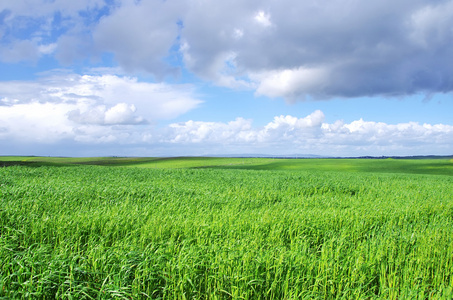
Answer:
[(83, 231)]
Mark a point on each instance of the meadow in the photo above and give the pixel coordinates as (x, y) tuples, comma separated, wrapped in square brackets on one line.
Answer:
[(225, 228)]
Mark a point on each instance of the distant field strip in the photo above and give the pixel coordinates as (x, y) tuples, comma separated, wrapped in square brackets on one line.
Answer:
[(194, 228), (439, 166)]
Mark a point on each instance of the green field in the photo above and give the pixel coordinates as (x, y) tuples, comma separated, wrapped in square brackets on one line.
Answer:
[(437, 166), (225, 228)]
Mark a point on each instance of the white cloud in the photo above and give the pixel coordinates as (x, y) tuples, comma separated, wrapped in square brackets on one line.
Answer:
[(47, 49), (122, 113), (71, 124), (311, 135), (291, 83), (197, 132), (263, 18), (89, 108), (119, 114), (238, 33), (35, 122)]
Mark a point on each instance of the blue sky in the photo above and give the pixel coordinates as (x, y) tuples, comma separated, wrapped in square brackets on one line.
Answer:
[(192, 77)]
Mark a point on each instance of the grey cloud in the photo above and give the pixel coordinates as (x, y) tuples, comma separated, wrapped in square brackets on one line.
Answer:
[(311, 49), (92, 116), (72, 48), (30, 28), (365, 48), (39, 8), (140, 35), (19, 50)]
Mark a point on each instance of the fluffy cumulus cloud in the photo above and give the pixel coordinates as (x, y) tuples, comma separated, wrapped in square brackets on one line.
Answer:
[(290, 49), (86, 121), (87, 108), (311, 135), (210, 132)]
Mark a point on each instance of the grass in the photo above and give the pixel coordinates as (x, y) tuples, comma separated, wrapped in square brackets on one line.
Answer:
[(226, 229), (439, 166)]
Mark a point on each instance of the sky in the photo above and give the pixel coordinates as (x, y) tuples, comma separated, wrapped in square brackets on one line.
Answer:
[(204, 77)]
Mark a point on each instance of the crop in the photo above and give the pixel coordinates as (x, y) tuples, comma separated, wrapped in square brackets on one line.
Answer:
[(97, 232)]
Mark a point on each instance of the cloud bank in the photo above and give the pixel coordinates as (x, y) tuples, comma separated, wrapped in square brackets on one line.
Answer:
[(87, 108), (292, 49), (121, 130), (311, 135)]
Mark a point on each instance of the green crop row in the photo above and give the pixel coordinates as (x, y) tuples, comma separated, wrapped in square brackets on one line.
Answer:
[(91, 232)]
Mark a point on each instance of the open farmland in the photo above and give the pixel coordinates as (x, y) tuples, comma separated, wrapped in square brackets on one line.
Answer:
[(225, 228)]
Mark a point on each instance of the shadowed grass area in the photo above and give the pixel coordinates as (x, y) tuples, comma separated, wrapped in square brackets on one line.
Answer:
[(40, 160), (439, 166), (142, 162)]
